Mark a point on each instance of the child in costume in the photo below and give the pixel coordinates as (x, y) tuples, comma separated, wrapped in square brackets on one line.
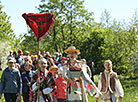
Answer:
[(61, 87), (109, 85), (54, 70)]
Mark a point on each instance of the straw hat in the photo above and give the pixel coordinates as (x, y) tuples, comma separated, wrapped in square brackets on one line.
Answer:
[(53, 67), (72, 49)]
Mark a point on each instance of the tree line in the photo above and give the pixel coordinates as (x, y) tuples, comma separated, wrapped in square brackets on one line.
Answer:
[(74, 25)]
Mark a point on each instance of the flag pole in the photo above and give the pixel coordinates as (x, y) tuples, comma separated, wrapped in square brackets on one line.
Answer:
[(46, 19), (38, 70)]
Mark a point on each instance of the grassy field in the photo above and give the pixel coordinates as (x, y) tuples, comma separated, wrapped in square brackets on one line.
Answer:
[(130, 85)]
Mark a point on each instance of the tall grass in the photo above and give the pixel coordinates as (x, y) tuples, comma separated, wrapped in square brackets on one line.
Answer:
[(130, 85)]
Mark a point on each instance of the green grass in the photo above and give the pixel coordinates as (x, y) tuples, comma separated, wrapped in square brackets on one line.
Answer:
[(130, 86)]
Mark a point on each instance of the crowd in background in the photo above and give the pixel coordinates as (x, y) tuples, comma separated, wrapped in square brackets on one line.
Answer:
[(52, 79), (56, 59), (27, 65)]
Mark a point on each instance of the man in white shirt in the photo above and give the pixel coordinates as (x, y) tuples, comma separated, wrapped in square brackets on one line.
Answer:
[(109, 85)]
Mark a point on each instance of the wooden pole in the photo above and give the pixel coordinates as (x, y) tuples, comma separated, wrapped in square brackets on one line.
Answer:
[(38, 70)]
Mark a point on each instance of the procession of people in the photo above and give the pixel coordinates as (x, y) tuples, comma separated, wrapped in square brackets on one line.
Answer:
[(47, 78)]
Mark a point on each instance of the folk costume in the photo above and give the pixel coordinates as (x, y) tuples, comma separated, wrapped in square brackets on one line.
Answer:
[(54, 70), (40, 25), (47, 86), (75, 74), (110, 86)]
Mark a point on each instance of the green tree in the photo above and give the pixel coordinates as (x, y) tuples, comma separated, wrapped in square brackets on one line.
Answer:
[(91, 47), (28, 42), (6, 33), (119, 45), (71, 22), (105, 18), (7, 37), (109, 39)]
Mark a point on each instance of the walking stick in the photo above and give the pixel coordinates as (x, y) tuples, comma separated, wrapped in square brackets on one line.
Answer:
[(38, 71)]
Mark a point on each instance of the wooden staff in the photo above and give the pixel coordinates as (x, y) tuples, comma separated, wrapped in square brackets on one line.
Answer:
[(38, 70), (47, 20)]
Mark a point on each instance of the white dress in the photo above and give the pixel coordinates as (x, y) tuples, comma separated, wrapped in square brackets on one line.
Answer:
[(76, 92)]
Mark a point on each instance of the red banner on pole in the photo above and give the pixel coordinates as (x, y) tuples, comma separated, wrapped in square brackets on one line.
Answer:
[(39, 23)]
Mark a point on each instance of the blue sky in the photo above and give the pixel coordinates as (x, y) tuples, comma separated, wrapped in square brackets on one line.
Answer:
[(119, 9)]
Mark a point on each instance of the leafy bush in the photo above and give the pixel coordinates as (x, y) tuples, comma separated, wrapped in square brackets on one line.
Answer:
[(4, 51)]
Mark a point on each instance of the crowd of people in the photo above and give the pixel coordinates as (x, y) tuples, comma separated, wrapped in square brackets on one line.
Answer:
[(44, 78)]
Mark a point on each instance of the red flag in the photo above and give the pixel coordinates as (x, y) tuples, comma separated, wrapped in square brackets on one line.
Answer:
[(39, 23)]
